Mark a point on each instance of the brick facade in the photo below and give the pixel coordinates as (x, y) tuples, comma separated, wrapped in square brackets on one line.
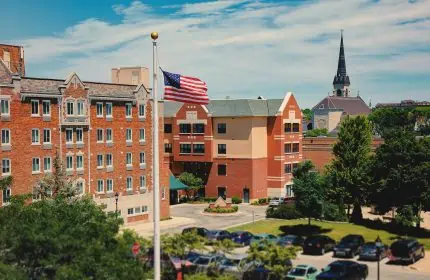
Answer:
[(13, 56)]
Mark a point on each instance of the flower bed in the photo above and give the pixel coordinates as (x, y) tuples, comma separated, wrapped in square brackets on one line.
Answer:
[(222, 210)]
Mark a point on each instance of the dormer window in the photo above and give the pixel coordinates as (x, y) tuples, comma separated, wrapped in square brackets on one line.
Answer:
[(80, 105), (6, 58), (322, 106), (70, 106)]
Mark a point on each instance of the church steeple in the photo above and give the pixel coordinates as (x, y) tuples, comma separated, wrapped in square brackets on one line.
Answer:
[(341, 81)]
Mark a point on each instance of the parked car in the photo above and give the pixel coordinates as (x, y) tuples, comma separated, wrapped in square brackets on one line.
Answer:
[(318, 244), (349, 246), (290, 240), (213, 235), (241, 237), (406, 250), (199, 230), (302, 271), (276, 201), (344, 270), (258, 271), (259, 238), (235, 265), (204, 262), (369, 251)]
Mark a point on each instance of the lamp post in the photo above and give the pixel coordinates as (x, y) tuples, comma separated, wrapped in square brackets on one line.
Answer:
[(116, 204), (379, 245)]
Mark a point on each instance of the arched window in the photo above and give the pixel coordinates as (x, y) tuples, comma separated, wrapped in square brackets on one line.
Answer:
[(339, 92)]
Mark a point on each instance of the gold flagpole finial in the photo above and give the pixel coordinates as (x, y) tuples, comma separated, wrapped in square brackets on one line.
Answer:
[(154, 35)]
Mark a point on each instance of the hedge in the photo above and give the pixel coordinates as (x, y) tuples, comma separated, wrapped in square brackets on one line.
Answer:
[(233, 209)]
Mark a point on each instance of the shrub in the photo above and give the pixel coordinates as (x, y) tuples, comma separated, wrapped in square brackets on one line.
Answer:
[(236, 200), (209, 199), (233, 209), (284, 211), (263, 200), (332, 212)]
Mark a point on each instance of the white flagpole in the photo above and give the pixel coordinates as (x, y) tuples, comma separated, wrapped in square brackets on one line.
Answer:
[(155, 162)]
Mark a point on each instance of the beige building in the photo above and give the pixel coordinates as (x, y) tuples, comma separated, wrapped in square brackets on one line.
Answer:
[(131, 76)]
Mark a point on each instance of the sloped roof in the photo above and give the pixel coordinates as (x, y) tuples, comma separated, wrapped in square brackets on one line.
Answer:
[(350, 105), (171, 108)]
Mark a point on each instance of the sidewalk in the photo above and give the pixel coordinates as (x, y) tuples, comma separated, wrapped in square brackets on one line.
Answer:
[(146, 229), (422, 265)]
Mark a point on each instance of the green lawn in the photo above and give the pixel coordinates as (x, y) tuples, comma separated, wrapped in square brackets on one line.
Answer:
[(334, 230)]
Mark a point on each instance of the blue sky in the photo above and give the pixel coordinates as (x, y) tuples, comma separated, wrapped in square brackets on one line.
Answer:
[(242, 48)]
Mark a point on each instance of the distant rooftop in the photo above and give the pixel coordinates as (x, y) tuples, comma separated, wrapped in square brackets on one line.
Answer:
[(403, 104)]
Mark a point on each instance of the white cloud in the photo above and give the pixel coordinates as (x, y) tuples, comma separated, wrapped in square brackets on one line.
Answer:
[(248, 48)]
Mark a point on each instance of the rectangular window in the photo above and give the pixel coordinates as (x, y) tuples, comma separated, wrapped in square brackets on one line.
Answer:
[(35, 165), (99, 160), (109, 110), (287, 127), (198, 128), (296, 127), (109, 185), (185, 128), (163, 193), (222, 128), (46, 107), (46, 136), (5, 166), (128, 159), (137, 210), (6, 195), (109, 135), (79, 135), (109, 162), (222, 149), (167, 147), (80, 187), (47, 164), (295, 165), (287, 148), (35, 136), (128, 135), (199, 148), (100, 186), (287, 168), (289, 191), (144, 209), (142, 183), (129, 185), (128, 110), (70, 108), (69, 163), (99, 135), (141, 110), (142, 135), (69, 135), (130, 211), (295, 147), (80, 162), (5, 137), (4, 107), (80, 107), (35, 107), (222, 169), (167, 128), (99, 107), (185, 148), (142, 158)]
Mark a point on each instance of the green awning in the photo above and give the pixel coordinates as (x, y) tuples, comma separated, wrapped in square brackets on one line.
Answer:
[(175, 184)]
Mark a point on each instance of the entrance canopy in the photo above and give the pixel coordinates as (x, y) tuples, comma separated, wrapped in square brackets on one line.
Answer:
[(175, 184)]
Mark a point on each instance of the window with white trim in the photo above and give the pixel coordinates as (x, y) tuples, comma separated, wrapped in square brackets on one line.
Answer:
[(99, 107), (47, 164), (141, 110), (35, 136), (6, 59), (4, 107), (109, 135), (80, 107), (69, 135), (130, 211), (7, 193), (128, 159), (99, 135), (109, 110), (128, 110), (46, 107), (100, 186), (142, 135), (35, 107), (79, 135), (80, 187), (109, 185), (80, 162), (163, 193), (5, 136), (35, 168), (70, 107), (128, 135), (289, 191), (69, 162), (46, 136), (142, 182), (109, 162), (5, 167), (99, 161), (129, 185), (144, 209), (142, 158)]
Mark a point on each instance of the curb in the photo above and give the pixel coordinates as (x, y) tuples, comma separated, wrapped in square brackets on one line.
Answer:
[(242, 224), (220, 214)]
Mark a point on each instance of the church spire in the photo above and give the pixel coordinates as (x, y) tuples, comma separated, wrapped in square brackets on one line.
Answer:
[(341, 80)]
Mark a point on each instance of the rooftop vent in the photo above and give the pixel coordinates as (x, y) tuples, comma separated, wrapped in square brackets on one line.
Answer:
[(261, 98)]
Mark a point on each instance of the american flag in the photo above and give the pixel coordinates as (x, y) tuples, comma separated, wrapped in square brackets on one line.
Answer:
[(185, 89)]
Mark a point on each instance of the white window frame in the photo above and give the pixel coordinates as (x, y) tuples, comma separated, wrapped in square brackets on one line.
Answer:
[(144, 209), (44, 102), (45, 160), (142, 186), (38, 109), (37, 133), (33, 171), (82, 162), (131, 183), (140, 158), (81, 130), (78, 108), (111, 135), (102, 161), (70, 101), (144, 109), (47, 130), (8, 191), (99, 105), (128, 211), (71, 133), (97, 136), (102, 185), (111, 160), (7, 106), (71, 168), (131, 159), (128, 107), (83, 186), (9, 165), (5, 131), (163, 193), (140, 135), (109, 190), (109, 114), (126, 135)]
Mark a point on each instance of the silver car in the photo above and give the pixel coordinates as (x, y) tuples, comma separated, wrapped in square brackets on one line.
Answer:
[(276, 201), (235, 265), (203, 263)]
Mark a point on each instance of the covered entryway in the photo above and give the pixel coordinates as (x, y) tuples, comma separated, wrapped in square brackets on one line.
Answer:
[(222, 192), (246, 195), (176, 187)]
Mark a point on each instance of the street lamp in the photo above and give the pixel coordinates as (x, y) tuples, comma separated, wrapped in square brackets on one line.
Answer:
[(379, 245), (116, 204)]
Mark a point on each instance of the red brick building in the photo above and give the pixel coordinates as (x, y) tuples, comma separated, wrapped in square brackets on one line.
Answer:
[(243, 148), (101, 132)]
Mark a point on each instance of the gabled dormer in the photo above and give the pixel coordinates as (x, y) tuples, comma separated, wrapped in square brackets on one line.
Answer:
[(74, 101)]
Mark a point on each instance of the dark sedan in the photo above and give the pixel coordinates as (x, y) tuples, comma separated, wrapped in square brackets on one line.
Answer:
[(290, 240), (218, 235), (344, 270), (319, 244), (369, 251), (241, 237), (349, 246)]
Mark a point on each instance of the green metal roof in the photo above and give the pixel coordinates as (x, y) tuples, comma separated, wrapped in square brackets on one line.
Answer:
[(175, 184)]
